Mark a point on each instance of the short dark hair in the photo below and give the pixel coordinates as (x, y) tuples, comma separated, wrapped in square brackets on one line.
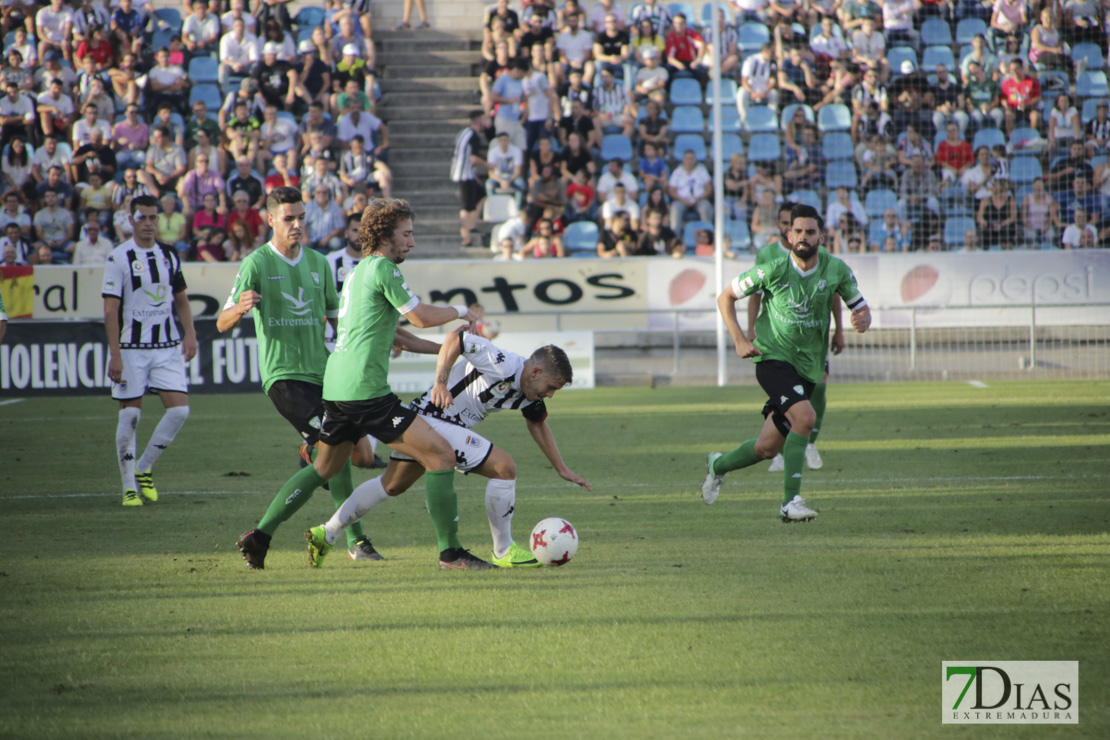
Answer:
[(554, 362), (352, 217), (379, 221), (801, 210), (148, 201), (280, 196), (476, 114), (786, 205)]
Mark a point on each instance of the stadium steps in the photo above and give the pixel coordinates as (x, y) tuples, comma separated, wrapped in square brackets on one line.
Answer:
[(429, 79)]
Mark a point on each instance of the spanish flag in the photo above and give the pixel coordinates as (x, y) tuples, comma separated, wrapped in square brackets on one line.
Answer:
[(17, 285)]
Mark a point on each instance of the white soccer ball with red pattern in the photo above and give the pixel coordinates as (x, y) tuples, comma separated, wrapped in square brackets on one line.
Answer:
[(554, 541)]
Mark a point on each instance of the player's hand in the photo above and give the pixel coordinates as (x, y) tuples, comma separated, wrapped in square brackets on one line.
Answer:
[(861, 319), (440, 396), (189, 348), (747, 350), (838, 342), (574, 478), (115, 369), (248, 299)]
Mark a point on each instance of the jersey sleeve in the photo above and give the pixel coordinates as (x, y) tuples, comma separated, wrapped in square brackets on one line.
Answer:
[(535, 411), (177, 280), (749, 282), (331, 297), (113, 278), (391, 283), (483, 355), (246, 279), (849, 290)]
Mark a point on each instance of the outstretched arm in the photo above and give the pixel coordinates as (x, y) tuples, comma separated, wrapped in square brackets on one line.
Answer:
[(411, 343), (425, 315), (449, 351), (545, 440)]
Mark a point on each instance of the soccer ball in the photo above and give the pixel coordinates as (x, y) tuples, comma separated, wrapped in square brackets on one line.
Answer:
[(488, 328), (554, 541)]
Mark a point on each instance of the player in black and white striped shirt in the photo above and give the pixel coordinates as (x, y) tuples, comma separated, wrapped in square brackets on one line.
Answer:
[(489, 379), (142, 286), (467, 153)]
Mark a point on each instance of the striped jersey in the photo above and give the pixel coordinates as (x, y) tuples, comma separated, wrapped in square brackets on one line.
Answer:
[(659, 15), (145, 281), (342, 264), (462, 169), (612, 100), (485, 380)]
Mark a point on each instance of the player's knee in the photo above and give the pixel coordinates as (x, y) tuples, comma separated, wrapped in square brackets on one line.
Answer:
[(504, 469), (181, 413), (765, 451)]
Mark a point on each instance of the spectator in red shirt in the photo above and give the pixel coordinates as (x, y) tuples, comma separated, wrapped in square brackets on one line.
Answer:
[(683, 48), (96, 45), (581, 199), (1021, 93), (954, 155), (242, 211), (283, 176)]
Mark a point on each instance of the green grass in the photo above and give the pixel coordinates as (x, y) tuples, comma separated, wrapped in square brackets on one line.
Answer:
[(955, 523)]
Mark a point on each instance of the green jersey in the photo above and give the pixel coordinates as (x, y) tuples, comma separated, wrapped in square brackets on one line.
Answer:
[(374, 295), (771, 252), (797, 307), (298, 298)]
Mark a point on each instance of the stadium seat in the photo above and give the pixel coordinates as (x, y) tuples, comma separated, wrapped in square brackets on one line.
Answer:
[(788, 113), (686, 92), (730, 120), (955, 228), (834, 117), (1095, 161), (988, 137), (841, 174), (1091, 85), (761, 120), (1024, 170), (499, 208), (730, 144), (304, 34), (693, 142), (899, 54), (808, 197), (168, 19), (687, 9), (936, 32), (739, 236), (837, 145), (874, 233), (968, 28), (728, 89), (309, 17), (764, 148), (616, 146), (689, 229), (877, 201), (687, 119), (935, 55), (210, 94), (1090, 52), (1019, 136), (1090, 109), (204, 70), (161, 38), (752, 37), (581, 236)]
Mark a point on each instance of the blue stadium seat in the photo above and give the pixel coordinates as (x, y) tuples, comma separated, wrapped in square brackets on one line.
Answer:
[(761, 120), (728, 89), (1091, 52), (616, 146), (788, 113), (808, 197), (161, 39), (581, 236), (739, 236), (687, 119), (693, 142), (752, 37), (309, 17), (834, 117), (1024, 170), (935, 55), (168, 19), (686, 92), (730, 120), (304, 34), (936, 32), (956, 202), (877, 201), (1018, 135), (988, 137), (841, 174), (764, 148), (874, 233), (210, 94), (689, 229), (204, 70), (687, 9), (1090, 109), (955, 228), (837, 145), (1091, 85), (968, 28), (730, 144), (899, 54)]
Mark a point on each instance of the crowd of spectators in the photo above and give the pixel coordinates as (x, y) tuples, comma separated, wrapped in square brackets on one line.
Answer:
[(910, 124), (207, 108)]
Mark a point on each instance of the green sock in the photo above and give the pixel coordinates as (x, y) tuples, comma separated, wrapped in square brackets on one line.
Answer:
[(293, 495), (342, 486), (817, 400), (443, 505), (741, 457), (793, 460)]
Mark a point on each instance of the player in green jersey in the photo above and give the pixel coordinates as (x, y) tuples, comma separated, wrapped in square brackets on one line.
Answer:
[(357, 397), (773, 251), (789, 350), (291, 292)]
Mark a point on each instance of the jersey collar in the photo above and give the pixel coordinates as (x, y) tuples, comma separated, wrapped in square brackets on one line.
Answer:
[(805, 273), (291, 263)]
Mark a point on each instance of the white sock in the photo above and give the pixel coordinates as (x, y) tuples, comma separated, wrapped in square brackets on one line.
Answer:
[(167, 429), (500, 502), (126, 432), (364, 499), (373, 444)]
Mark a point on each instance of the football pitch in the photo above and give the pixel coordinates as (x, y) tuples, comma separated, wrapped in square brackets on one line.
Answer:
[(955, 523)]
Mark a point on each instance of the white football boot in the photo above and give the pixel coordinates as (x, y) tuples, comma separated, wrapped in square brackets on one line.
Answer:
[(712, 485), (813, 457), (797, 511), (776, 464)]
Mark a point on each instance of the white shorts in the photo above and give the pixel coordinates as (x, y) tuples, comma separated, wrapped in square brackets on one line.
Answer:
[(471, 448), (151, 370)]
